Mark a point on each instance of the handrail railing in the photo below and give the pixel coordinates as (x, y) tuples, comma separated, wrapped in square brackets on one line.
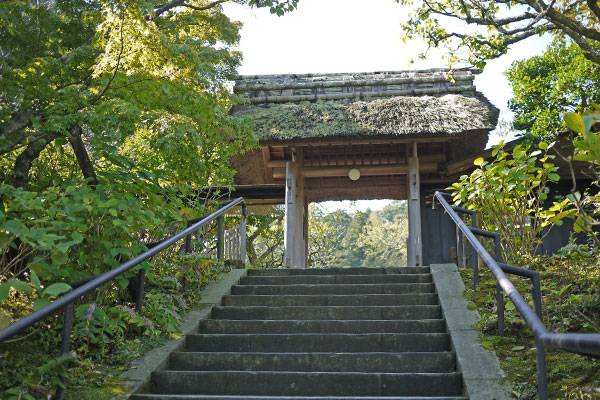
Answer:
[(86, 285), (583, 343)]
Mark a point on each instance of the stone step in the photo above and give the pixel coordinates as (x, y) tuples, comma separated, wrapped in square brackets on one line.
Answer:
[(338, 271), (246, 397), (332, 313), (322, 326), (335, 279), (389, 288), (315, 362), (332, 300), (333, 289), (319, 342), (257, 383)]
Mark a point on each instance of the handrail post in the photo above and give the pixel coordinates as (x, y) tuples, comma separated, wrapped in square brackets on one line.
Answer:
[(139, 303), (65, 345), (542, 379), (499, 296), (540, 350), (474, 257), (500, 309), (243, 234), (220, 237), (188, 241), (459, 248)]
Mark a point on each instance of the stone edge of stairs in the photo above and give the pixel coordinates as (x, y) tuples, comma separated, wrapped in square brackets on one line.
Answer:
[(137, 378), (482, 376)]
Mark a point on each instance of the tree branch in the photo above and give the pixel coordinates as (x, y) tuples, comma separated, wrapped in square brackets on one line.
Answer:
[(25, 160), (593, 5), (163, 8), (16, 124)]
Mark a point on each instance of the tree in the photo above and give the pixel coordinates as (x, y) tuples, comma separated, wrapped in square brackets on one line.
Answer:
[(264, 244), (546, 87), (112, 115), (145, 81), (326, 236), (384, 236), (498, 24)]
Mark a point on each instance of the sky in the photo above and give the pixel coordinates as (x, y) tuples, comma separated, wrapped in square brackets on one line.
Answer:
[(326, 36)]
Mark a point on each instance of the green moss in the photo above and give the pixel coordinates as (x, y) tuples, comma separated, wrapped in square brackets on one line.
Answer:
[(570, 376), (394, 116), (292, 120)]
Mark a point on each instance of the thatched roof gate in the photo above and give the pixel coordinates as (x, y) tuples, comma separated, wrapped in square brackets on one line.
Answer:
[(314, 128)]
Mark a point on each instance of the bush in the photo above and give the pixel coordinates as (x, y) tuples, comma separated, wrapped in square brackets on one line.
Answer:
[(510, 194)]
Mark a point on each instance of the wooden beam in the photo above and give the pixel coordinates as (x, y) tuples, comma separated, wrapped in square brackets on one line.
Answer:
[(426, 158), (312, 172), (266, 154), (415, 243)]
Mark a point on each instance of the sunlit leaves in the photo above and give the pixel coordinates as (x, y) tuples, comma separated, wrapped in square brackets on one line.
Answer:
[(510, 191), (546, 86)]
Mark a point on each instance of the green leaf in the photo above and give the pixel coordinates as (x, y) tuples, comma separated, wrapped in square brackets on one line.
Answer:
[(575, 122), (5, 239), (35, 281), (59, 257), (56, 288), (40, 303), (554, 177), (20, 286), (510, 306), (588, 121), (543, 145), (564, 289), (478, 161), (4, 288), (77, 237)]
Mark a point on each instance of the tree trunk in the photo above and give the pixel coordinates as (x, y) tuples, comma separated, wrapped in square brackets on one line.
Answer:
[(83, 158)]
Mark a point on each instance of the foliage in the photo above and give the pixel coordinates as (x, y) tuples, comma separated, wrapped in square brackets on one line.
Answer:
[(486, 29), (336, 239), (547, 86), (326, 235), (384, 236), (106, 333), (510, 192), (368, 239), (571, 298), (264, 244), (587, 148)]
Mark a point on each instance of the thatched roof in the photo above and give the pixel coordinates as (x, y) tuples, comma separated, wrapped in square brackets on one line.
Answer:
[(286, 107)]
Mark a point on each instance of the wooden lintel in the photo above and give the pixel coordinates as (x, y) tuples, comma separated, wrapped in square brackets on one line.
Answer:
[(266, 154), (400, 169), (369, 161)]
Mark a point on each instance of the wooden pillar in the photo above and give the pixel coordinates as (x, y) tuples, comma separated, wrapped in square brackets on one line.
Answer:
[(295, 217), (415, 243)]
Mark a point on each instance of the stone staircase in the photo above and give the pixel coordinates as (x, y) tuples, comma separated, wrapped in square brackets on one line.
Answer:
[(351, 333)]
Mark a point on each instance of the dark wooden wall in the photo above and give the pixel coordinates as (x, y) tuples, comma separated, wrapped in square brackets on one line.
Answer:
[(439, 232)]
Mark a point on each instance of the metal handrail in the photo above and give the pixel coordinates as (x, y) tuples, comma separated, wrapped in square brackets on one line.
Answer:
[(85, 286), (583, 343)]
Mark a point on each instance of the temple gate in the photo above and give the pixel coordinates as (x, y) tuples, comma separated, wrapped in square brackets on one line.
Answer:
[(382, 135)]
